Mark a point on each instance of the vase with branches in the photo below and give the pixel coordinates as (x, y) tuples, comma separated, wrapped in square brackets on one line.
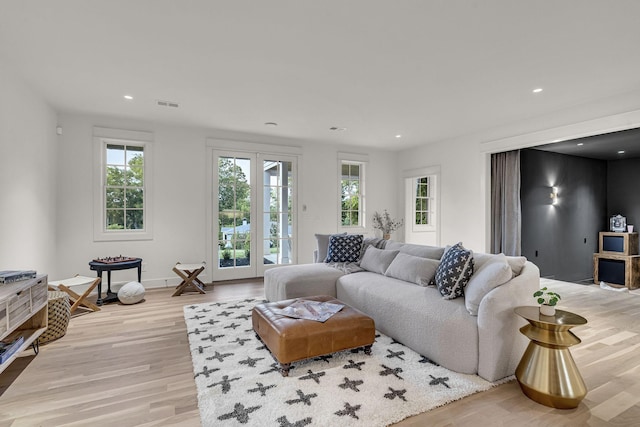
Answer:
[(386, 224)]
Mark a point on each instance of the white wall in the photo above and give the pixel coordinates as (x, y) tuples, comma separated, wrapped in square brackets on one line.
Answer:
[(180, 196), (28, 152)]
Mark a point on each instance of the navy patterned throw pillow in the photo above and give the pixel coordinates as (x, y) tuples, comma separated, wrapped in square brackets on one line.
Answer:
[(344, 248), (454, 271)]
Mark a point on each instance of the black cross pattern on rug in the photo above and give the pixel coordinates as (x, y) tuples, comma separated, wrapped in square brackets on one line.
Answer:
[(200, 349), (252, 300), (192, 307), (211, 338), (219, 357), (244, 316), (302, 398), (393, 341), (250, 362), (196, 331), (236, 306), (233, 326), (206, 371), (274, 368), (217, 304), (313, 376), (353, 365), (349, 410), (325, 358), (210, 322), (225, 383), (204, 310), (196, 317), (393, 354), (261, 388), (284, 422), (240, 413), (391, 371), (439, 380), (351, 384), (425, 359), (240, 341), (396, 393), (225, 313)]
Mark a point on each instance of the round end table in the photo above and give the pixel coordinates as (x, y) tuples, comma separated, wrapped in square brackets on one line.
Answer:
[(547, 372)]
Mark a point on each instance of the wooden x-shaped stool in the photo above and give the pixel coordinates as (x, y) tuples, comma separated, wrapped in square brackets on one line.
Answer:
[(77, 300), (189, 275)]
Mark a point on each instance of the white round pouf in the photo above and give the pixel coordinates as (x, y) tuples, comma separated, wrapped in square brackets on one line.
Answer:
[(131, 293)]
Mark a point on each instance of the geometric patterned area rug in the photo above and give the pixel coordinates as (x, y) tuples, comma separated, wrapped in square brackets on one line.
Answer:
[(238, 382)]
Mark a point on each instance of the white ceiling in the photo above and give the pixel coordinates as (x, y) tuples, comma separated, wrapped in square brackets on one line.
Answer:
[(429, 70)]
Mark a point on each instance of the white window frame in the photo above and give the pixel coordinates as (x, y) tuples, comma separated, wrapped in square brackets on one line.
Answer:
[(102, 137), (410, 177), (361, 160)]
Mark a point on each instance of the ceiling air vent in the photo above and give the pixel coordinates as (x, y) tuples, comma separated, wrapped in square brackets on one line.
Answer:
[(167, 103)]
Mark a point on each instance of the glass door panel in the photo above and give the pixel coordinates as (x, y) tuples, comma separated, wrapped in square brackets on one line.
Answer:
[(234, 213), (277, 212)]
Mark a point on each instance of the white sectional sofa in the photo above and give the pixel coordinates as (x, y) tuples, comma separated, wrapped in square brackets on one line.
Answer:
[(474, 334)]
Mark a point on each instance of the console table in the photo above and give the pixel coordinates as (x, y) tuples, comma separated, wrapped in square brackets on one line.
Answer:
[(23, 313), (547, 372), (99, 267)]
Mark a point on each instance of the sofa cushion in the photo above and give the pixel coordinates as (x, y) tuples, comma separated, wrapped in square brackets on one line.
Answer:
[(454, 271), (322, 240), (432, 252), (377, 260), (413, 269), (344, 248), (492, 273), (515, 262)]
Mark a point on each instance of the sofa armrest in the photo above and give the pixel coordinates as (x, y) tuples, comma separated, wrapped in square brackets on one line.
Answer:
[(501, 344)]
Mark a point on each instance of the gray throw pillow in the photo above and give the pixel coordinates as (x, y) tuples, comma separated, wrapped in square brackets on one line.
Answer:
[(493, 272), (377, 260), (424, 251), (454, 271), (413, 269)]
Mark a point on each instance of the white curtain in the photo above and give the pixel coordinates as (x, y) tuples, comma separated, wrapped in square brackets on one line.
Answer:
[(505, 203)]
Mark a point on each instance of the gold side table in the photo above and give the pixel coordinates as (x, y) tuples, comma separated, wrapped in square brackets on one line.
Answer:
[(547, 372)]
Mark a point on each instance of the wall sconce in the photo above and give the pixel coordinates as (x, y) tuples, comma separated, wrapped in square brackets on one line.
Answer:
[(554, 195)]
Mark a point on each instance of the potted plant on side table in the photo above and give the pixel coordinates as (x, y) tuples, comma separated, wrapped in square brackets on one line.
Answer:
[(547, 300)]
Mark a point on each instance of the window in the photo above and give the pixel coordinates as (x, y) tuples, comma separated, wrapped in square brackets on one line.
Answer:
[(422, 192), (352, 194), (424, 203), (122, 187)]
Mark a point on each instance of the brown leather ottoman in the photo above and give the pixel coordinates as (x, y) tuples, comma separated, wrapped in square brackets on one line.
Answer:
[(291, 340)]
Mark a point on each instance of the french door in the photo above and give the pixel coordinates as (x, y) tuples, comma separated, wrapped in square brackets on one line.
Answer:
[(253, 213)]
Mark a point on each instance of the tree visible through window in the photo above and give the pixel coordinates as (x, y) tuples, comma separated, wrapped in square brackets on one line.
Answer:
[(351, 181), (124, 187)]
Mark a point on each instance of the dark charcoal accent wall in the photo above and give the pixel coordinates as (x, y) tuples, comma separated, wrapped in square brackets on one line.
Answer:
[(553, 236), (623, 191)]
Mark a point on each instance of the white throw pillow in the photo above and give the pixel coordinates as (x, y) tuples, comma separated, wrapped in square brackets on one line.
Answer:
[(377, 260), (413, 269), (491, 274), (517, 264), (131, 293)]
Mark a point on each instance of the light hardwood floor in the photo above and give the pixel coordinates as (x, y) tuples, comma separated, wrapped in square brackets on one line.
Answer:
[(130, 366)]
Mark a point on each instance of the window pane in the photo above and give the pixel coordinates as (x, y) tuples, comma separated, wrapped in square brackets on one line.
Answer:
[(115, 219), (114, 198), (345, 171), (346, 218), (115, 176), (135, 219), (134, 198), (354, 218), (115, 154), (135, 176), (355, 171), (134, 154)]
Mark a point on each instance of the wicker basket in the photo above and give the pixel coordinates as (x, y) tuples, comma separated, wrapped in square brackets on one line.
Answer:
[(59, 313)]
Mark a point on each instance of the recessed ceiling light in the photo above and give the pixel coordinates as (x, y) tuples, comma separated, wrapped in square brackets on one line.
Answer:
[(580, 144), (621, 152), (398, 136), (271, 124), (537, 90), (128, 97), (338, 129)]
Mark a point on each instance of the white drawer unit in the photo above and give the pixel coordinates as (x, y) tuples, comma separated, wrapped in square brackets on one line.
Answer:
[(23, 313)]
